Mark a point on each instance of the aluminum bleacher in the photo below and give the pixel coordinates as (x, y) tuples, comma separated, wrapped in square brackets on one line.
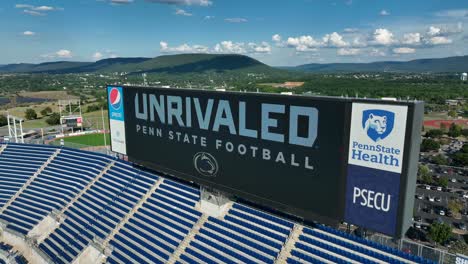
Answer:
[(17, 164), (159, 226), (145, 218), (97, 212), (53, 188)]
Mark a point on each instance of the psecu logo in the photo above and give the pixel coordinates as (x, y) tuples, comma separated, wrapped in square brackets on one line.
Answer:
[(377, 123)]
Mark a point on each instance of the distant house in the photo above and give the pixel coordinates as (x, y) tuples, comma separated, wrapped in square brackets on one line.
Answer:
[(464, 77), (451, 102)]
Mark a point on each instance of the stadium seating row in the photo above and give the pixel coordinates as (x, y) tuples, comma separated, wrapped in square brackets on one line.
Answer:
[(145, 218)]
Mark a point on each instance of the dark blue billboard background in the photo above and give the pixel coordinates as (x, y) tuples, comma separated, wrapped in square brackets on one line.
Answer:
[(372, 198)]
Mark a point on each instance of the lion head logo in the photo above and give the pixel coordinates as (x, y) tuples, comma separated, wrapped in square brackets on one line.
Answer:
[(378, 124)]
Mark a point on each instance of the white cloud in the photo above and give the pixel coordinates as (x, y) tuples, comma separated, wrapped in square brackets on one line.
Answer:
[(29, 33), (208, 17), (121, 2), (37, 10), (439, 40), (33, 13), (334, 40), (97, 56), (183, 2), (276, 38), (384, 13), (21, 6), (263, 47), (303, 43), (411, 39), (184, 48), (383, 36), (228, 46), (404, 50), (433, 31), (377, 52), (454, 13), (43, 8), (236, 20), (181, 12), (63, 53), (350, 30), (348, 52), (358, 42)]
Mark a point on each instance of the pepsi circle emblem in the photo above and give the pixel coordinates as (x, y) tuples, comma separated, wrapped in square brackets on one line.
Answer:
[(115, 98)]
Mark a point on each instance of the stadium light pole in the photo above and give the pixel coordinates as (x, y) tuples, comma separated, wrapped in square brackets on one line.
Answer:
[(103, 128)]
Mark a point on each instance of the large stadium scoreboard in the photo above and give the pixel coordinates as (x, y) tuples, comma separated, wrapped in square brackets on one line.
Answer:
[(320, 158)]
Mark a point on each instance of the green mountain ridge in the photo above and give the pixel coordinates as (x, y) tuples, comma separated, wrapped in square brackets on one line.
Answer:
[(449, 64), (181, 63), (202, 63)]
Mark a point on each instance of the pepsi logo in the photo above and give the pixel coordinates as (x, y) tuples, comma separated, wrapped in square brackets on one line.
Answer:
[(115, 98)]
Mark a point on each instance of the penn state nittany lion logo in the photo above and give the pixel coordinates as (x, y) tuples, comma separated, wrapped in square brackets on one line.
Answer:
[(205, 164), (377, 124)]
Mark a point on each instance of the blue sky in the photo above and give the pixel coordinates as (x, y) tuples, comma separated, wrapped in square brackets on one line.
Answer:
[(275, 32)]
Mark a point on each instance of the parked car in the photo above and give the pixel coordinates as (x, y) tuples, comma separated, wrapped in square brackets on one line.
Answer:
[(439, 188), (461, 226), (417, 225), (449, 213), (428, 187), (419, 196), (438, 199), (464, 212), (417, 218), (431, 199), (453, 180), (441, 212), (465, 195)]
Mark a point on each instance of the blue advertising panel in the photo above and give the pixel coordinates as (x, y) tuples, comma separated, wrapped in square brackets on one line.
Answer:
[(375, 162), (115, 100), (372, 198)]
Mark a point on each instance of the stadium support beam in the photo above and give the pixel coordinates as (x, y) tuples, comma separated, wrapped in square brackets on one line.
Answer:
[(214, 203)]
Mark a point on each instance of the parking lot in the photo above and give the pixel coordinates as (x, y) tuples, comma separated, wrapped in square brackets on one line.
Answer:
[(432, 201)]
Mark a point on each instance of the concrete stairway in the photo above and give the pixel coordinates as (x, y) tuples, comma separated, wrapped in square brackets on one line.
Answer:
[(135, 209), (91, 183), (285, 252), (185, 243)]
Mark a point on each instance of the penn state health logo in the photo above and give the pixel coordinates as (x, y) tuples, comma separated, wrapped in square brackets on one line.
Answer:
[(377, 124), (115, 98)]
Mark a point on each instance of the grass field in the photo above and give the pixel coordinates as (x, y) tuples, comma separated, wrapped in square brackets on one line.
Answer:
[(90, 140)]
